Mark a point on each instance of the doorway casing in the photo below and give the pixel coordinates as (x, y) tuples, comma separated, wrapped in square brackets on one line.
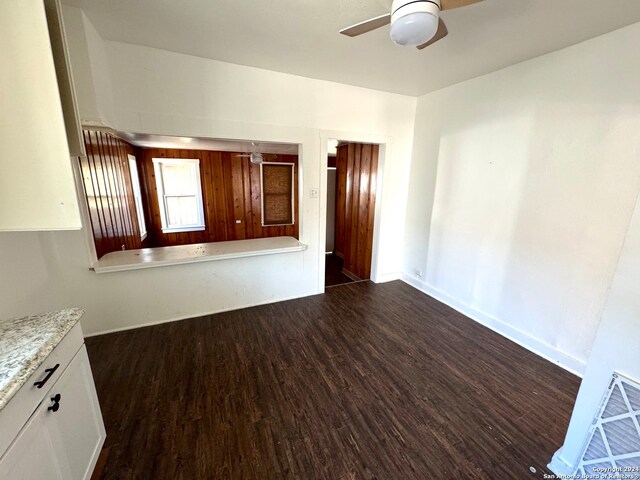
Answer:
[(385, 144)]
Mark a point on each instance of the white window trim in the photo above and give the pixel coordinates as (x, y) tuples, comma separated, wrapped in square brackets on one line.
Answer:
[(196, 227), (293, 195), (137, 196)]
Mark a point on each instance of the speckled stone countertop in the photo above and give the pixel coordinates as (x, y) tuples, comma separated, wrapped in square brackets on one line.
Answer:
[(26, 342)]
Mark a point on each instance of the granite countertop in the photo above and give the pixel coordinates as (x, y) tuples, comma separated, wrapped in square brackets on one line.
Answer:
[(26, 342)]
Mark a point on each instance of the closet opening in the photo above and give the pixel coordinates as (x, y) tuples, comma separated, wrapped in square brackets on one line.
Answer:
[(352, 183)]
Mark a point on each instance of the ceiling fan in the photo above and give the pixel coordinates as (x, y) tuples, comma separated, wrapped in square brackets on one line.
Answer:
[(413, 22), (255, 156)]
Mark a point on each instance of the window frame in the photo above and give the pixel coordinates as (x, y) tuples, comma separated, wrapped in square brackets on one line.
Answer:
[(293, 194), (137, 196), (162, 204)]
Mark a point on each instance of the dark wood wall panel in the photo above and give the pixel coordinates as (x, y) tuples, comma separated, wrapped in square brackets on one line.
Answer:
[(341, 195), (357, 167), (107, 184), (230, 192)]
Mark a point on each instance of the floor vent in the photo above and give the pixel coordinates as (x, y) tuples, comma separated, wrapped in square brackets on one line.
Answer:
[(615, 436)]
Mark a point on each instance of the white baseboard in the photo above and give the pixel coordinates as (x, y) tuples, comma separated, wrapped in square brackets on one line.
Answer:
[(559, 466), (387, 277), (523, 339), (195, 315)]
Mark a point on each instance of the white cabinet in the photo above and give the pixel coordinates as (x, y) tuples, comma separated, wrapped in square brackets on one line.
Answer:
[(33, 454), (63, 437), (37, 189), (77, 425)]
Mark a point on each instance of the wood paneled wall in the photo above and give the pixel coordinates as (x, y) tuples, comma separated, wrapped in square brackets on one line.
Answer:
[(357, 179), (107, 184), (230, 192)]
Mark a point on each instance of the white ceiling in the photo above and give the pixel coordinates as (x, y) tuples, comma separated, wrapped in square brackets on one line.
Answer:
[(301, 36)]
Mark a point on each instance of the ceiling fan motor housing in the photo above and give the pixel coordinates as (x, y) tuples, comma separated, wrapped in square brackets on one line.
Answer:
[(414, 22)]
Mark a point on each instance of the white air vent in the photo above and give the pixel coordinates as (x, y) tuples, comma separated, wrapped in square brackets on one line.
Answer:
[(615, 438)]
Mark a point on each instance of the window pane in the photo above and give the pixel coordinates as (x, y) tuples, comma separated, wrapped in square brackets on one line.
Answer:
[(179, 179), (137, 194), (182, 211)]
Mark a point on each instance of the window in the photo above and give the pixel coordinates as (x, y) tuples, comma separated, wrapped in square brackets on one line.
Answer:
[(179, 194), (277, 193), (137, 196)]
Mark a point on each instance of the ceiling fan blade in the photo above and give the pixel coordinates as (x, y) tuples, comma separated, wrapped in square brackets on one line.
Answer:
[(367, 25), (440, 34), (449, 4)]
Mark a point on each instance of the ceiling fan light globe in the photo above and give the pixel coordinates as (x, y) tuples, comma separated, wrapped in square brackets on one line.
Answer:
[(414, 23)]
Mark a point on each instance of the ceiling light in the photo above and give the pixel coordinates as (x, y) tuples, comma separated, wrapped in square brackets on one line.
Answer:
[(414, 22)]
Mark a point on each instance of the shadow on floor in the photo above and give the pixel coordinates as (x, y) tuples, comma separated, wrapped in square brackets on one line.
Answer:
[(333, 271)]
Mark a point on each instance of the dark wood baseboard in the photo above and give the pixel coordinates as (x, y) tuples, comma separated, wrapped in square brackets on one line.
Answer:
[(352, 276)]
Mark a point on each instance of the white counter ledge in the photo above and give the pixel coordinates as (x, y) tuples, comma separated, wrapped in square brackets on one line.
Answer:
[(26, 342), (200, 252)]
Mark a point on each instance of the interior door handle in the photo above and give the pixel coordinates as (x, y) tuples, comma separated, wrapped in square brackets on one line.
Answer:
[(50, 371)]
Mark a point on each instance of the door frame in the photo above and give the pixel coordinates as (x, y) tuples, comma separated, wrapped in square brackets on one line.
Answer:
[(385, 146)]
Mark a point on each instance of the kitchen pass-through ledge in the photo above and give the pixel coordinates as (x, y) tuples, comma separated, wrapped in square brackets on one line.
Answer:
[(200, 252)]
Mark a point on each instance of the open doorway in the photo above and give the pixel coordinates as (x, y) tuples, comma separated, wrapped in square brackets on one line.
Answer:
[(352, 178)]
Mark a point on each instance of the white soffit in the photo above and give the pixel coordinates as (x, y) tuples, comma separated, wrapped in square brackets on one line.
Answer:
[(301, 36), (190, 143)]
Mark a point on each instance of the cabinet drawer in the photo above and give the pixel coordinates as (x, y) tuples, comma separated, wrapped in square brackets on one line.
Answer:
[(27, 399)]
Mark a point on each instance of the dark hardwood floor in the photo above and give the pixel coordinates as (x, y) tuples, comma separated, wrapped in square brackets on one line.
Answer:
[(364, 382), (333, 271)]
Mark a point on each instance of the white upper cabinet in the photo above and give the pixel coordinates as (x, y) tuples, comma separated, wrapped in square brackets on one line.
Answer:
[(37, 189)]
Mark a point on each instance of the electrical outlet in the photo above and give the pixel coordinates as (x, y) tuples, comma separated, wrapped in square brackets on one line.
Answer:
[(314, 192)]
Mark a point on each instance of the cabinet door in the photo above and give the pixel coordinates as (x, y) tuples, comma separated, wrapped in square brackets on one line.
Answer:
[(63, 444), (77, 426), (33, 455), (37, 189)]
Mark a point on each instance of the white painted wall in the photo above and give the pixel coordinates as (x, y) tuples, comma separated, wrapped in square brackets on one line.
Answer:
[(522, 186), (154, 91), (616, 348), (167, 93), (47, 271), (90, 68)]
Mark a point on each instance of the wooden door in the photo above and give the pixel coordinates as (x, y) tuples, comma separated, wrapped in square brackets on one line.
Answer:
[(357, 180)]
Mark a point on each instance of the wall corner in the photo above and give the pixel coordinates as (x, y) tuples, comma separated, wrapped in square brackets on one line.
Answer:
[(559, 466)]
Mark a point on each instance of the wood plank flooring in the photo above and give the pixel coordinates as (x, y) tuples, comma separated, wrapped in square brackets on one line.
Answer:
[(364, 382)]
